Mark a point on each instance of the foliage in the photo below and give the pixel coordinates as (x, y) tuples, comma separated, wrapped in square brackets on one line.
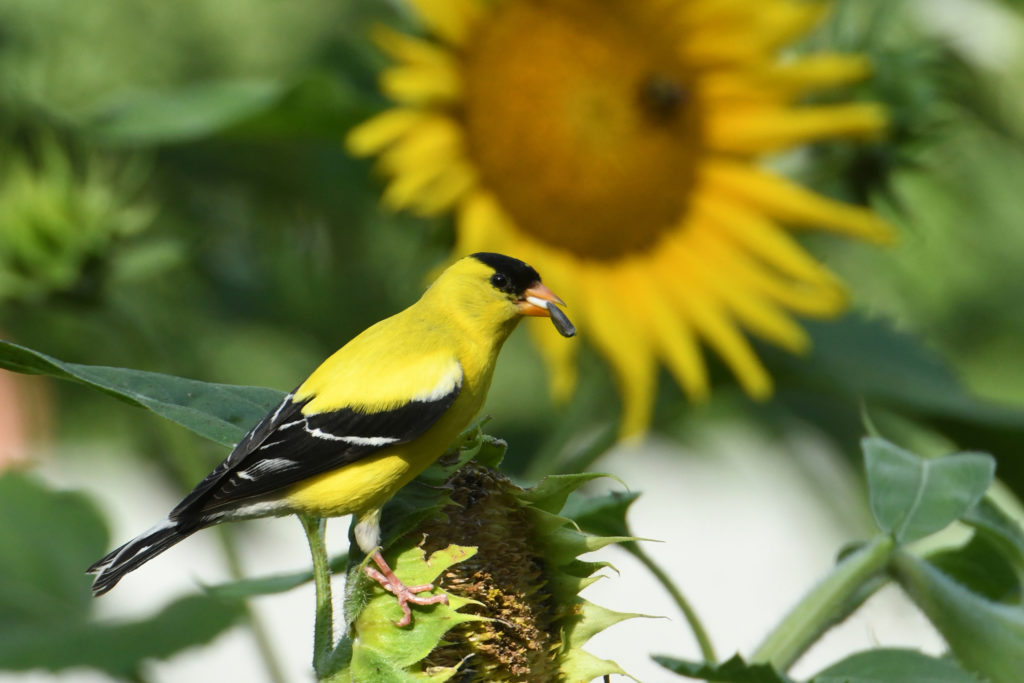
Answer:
[(911, 498), (46, 612)]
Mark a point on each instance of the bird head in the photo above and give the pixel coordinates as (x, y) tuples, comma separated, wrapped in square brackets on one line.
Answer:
[(502, 289)]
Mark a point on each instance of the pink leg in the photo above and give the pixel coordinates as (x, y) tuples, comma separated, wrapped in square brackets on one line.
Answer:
[(405, 594)]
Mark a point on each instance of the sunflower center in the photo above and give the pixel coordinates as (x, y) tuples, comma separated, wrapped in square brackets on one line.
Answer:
[(581, 119)]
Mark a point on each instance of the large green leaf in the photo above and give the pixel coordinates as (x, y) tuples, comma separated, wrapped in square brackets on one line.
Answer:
[(271, 585), (856, 361), (189, 112), (893, 666), (220, 412), (868, 359), (47, 539), (912, 497), (999, 528), (314, 106), (982, 567), (117, 648), (986, 637)]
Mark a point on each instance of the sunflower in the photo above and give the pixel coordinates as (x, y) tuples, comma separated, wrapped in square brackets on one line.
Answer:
[(615, 146)]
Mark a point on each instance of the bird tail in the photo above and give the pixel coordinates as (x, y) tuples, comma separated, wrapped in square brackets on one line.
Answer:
[(136, 552)]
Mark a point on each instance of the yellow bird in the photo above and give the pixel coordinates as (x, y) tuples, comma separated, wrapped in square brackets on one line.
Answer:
[(367, 421)]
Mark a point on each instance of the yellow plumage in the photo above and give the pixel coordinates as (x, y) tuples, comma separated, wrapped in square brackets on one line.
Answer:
[(452, 336)]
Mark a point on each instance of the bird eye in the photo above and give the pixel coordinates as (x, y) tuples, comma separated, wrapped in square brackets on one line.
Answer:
[(500, 281)]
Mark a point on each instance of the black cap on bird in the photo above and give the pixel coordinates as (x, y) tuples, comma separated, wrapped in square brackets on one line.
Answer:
[(522, 281)]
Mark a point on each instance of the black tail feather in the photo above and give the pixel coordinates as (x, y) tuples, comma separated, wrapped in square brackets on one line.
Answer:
[(133, 554)]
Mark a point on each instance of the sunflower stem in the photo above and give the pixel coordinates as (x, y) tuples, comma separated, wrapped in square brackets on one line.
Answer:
[(323, 629), (829, 602), (707, 650)]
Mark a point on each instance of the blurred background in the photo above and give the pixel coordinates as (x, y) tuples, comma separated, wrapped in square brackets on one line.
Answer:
[(175, 196)]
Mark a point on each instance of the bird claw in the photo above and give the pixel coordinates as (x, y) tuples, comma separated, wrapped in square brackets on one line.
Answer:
[(405, 594)]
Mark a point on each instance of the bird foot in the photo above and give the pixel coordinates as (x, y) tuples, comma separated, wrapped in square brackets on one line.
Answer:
[(405, 594)]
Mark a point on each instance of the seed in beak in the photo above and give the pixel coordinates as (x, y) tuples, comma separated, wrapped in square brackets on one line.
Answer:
[(561, 322)]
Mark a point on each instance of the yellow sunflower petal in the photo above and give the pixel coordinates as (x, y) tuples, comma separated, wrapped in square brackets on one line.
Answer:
[(778, 84), (721, 29), (611, 328), (405, 188), (675, 340), (434, 143), (560, 360), (560, 275), (409, 49), (383, 130), (422, 84), (450, 20), (824, 70), (761, 236), (817, 300), (760, 130), (750, 306), (789, 202), (786, 21), (482, 227), (721, 333), (446, 188)]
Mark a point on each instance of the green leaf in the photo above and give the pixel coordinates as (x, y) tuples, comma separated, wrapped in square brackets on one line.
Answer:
[(893, 666), (735, 670), (854, 356), (270, 585), (602, 515), (854, 361), (47, 539), (382, 646), (999, 528), (986, 637), (315, 106), (117, 648), (980, 566), (219, 412), (912, 497), (187, 113), (376, 667)]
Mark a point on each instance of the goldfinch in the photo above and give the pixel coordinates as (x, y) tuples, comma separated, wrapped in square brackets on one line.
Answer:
[(367, 421)]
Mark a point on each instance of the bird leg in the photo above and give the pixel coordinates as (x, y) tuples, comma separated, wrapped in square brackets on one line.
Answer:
[(405, 594)]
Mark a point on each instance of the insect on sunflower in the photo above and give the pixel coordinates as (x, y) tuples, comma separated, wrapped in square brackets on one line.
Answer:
[(616, 145)]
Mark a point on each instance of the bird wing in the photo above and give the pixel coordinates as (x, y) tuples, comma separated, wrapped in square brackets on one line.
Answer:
[(289, 444)]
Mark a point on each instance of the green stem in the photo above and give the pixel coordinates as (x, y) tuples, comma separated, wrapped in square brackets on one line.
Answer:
[(706, 649), (828, 603), (323, 629)]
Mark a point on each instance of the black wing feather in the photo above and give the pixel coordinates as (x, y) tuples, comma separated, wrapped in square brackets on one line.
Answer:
[(286, 447)]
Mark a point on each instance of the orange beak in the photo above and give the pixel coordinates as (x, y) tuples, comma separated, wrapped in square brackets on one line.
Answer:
[(536, 299), (540, 301)]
